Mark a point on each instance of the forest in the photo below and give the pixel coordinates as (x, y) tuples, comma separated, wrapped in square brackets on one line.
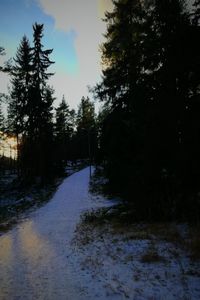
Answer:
[(146, 136), (46, 137)]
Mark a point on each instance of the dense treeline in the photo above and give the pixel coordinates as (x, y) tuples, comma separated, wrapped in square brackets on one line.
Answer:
[(47, 138), (147, 135), (150, 134)]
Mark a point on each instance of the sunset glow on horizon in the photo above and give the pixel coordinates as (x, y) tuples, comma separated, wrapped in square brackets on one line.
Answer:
[(8, 146)]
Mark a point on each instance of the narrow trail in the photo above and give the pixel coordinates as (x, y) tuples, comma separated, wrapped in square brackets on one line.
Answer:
[(44, 258), (34, 255)]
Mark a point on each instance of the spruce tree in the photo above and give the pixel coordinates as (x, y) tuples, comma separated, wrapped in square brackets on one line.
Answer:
[(30, 108), (39, 109), (148, 81), (1, 119), (2, 52), (86, 135), (64, 128), (19, 94), (20, 84), (40, 64)]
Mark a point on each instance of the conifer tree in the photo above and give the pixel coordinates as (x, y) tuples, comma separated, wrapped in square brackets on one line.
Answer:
[(2, 52), (64, 128), (148, 84), (1, 119), (40, 64), (21, 82), (86, 136), (30, 108)]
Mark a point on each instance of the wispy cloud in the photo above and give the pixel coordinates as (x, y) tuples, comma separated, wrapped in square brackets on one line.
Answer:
[(74, 14)]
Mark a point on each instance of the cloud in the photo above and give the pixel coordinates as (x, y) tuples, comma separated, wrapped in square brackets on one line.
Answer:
[(73, 14), (104, 5), (84, 18)]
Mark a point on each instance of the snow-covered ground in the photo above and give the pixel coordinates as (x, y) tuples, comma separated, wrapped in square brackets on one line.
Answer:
[(50, 254), (135, 262)]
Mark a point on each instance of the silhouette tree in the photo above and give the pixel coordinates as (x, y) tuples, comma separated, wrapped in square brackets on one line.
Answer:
[(30, 108), (1, 119), (40, 63), (21, 81), (148, 85), (2, 52), (64, 129), (86, 135)]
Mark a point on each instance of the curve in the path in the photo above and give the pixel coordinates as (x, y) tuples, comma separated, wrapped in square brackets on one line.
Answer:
[(34, 255)]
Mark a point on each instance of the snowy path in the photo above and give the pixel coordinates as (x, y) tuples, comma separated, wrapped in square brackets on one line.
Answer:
[(44, 258), (34, 256)]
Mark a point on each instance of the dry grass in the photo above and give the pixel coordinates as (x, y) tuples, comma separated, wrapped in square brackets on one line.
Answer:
[(193, 242), (152, 256), (164, 231), (168, 232), (138, 234), (194, 247)]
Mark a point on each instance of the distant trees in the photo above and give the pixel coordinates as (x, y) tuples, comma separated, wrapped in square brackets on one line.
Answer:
[(150, 87), (64, 132), (1, 119), (2, 52), (46, 142), (86, 135), (4, 163)]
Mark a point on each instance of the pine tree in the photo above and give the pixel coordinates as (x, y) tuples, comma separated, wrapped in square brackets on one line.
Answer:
[(123, 89), (86, 136), (85, 114), (21, 82), (64, 128), (39, 109), (40, 64), (1, 119), (64, 119), (2, 52), (148, 79), (30, 108), (19, 94)]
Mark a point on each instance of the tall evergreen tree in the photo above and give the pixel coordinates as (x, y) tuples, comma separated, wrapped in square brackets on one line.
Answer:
[(2, 52), (40, 64), (21, 82), (1, 119), (64, 128), (86, 135), (147, 82), (19, 95), (30, 109), (64, 119), (39, 109)]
